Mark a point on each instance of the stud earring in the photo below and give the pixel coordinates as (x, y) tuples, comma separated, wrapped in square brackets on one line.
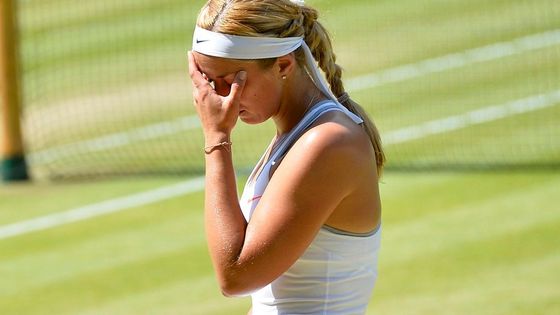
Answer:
[(284, 77)]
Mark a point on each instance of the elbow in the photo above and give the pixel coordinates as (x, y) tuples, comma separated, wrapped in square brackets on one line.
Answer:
[(240, 278), (232, 286), (230, 292)]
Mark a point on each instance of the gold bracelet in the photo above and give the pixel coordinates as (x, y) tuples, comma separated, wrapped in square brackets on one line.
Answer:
[(226, 145)]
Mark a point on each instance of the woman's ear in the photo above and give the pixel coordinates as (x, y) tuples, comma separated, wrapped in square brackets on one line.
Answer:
[(285, 65)]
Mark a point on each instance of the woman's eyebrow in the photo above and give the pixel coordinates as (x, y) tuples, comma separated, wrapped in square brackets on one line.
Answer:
[(224, 75), (211, 77), (221, 76)]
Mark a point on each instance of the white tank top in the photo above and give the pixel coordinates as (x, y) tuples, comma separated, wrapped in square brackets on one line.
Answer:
[(337, 272)]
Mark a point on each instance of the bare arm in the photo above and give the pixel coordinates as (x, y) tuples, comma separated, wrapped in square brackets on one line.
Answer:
[(224, 223)]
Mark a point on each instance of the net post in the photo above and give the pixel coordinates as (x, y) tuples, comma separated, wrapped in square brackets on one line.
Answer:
[(13, 166)]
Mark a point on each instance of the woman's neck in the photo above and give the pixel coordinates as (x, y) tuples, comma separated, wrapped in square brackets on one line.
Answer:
[(301, 94)]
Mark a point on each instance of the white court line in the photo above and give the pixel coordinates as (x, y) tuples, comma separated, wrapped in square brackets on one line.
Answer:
[(456, 60), (474, 117), (478, 116), (101, 208), (392, 75)]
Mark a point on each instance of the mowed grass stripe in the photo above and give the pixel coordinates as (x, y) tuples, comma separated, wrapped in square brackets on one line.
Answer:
[(107, 247), (508, 212), (437, 233), (102, 208), (192, 296), (440, 191), (106, 285), (501, 290), (90, 251), (112, 254), (473, 256), (490, 275), (166, 219)]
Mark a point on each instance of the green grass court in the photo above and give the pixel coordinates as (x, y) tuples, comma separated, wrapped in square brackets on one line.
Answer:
[(483, 243), (454, 241)]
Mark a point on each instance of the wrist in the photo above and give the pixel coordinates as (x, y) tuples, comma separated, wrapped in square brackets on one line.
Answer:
[(215, 138), (217, 141), (226, 145)]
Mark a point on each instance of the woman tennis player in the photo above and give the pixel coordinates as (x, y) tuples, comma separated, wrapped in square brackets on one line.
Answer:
[(304, 236)]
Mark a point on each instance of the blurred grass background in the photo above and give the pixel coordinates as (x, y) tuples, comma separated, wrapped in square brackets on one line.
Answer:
[(106, 89), (454, 242)]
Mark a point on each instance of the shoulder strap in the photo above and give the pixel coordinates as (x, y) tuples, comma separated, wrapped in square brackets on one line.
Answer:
[(310, 117)]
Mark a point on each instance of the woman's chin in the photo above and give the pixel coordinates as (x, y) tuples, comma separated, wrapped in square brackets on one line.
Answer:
[(248, 119)]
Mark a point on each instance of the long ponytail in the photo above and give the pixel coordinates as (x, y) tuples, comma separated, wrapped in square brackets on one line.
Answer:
[(318, 40)]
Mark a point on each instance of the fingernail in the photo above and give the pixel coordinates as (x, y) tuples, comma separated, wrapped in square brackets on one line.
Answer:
[(242, 75)]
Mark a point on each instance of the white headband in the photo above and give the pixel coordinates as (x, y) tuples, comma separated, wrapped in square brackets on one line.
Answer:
[(243, 47)]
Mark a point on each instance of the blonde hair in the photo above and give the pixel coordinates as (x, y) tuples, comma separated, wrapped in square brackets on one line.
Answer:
[(282, 18)]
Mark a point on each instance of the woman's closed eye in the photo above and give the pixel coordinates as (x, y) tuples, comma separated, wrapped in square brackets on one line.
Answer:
[(222, 87), (222, 84)]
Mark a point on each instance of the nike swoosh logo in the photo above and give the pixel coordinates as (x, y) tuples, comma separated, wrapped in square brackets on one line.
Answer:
[(198, 41)]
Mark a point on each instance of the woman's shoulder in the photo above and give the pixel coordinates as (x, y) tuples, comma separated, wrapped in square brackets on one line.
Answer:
[(333, 147), (334, 130)]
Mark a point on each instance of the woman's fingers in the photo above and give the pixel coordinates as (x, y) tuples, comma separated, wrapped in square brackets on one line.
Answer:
[(201, 87), (217, 113), (237, 87), (195, 74)]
